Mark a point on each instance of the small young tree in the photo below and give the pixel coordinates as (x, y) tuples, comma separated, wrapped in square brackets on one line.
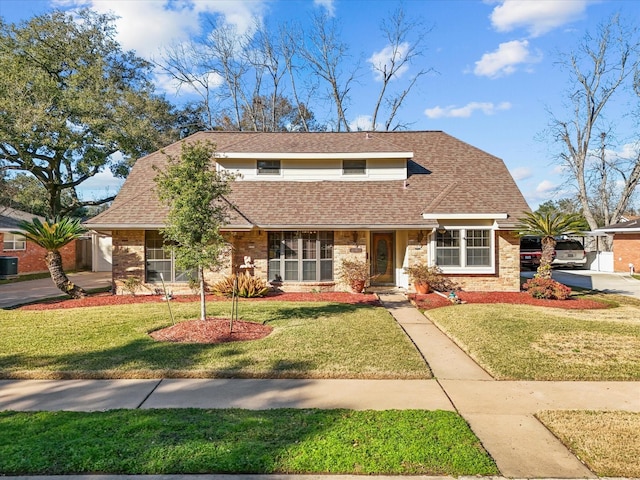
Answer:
[(52, 235), (195, 194), (549, 225)]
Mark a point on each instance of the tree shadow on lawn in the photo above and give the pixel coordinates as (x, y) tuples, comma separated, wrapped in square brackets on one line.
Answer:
[(145, 358), (313, 312)]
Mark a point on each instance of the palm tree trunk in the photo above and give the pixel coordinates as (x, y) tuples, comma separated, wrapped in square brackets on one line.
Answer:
[(54, 264), (548, 245)]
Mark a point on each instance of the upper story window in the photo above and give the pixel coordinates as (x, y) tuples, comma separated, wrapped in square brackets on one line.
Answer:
[(13, 241), (268, 167), (354, 167), (464, 248)]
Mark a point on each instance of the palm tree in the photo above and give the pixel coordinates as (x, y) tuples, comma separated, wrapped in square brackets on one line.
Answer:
[(52, 235), (549, 225)]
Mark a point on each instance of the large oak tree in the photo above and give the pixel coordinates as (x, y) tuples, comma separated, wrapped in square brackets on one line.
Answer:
[(73, 103)]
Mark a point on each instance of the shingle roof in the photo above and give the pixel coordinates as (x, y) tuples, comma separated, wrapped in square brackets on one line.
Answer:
[(632, 226), (9, 218), (446, 176)]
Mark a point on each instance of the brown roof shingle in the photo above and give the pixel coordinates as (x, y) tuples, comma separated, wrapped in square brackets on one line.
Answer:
[(446, 176)]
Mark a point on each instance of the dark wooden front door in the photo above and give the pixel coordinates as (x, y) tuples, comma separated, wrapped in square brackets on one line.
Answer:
[(382, 264)]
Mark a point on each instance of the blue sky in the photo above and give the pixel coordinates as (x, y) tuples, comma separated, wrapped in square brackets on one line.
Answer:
[(495, 60)]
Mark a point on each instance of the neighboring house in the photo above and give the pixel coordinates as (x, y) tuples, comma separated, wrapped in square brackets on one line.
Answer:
[(626, 244), (30, 256), (308, 200)]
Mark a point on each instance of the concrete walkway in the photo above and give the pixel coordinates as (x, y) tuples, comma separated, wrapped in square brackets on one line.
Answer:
[(500, 413)]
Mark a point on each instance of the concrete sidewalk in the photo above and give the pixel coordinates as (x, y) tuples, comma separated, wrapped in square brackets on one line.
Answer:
[(500, 413)]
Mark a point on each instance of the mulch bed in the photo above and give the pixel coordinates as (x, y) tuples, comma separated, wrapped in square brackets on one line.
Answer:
[(105, 299), (433, 300), (212, 330)]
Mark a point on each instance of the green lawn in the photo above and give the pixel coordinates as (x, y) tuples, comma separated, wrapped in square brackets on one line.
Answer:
[(407, 442), (310, 340), (520, 342)]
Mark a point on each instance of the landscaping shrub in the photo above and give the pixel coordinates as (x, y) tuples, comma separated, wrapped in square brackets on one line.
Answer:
[(539, 287), (248, 286), (431, 275)]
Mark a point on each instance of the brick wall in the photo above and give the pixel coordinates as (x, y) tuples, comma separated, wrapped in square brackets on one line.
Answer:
[(31, 260), (507, 253), (128, 260), (626, 250)]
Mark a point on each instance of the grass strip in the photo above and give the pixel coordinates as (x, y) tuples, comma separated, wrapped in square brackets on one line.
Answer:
[(172, 441), (608, 442), (522, 342), (309, 340)]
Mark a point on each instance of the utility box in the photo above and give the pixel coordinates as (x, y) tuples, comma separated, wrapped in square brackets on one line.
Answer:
[(8, 267)]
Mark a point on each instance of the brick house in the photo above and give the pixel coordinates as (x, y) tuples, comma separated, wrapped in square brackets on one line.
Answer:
[(30, 256), (308, 200), (626, 244)]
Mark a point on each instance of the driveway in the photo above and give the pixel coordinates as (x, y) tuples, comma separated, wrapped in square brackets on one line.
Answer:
[(607, 282), (18, 293)]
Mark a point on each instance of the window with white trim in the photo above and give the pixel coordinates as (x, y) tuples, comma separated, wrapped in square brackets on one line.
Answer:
[(159, 260), (14, 241), (464, 248), (300, 256), (354, 167), (268, 167)]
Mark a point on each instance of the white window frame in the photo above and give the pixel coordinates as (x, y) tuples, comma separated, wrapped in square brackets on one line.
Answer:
[(176, 274), (13, 242), (463, 268), (270, 172), (354, 174)]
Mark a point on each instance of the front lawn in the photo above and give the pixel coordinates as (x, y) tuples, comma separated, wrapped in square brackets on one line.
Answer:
[(608, 442), (309, 340), (176, 441), (521, 342)]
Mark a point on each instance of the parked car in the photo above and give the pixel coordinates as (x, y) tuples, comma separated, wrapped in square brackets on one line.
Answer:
[(569, 253), (530, 252)]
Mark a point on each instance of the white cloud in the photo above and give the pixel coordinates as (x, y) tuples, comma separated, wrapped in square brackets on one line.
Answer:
[(147, 26), (169, 85), (362, 122), (99, 186), (537, 16), (328, 5), (546, 187), (504, 60), (521, 173), (381, 61), (452, 111)]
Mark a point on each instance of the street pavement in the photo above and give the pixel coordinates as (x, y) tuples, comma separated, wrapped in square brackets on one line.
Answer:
[(501, 413)]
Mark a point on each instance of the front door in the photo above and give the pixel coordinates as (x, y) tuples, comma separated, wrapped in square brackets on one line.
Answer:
[(382, 264)]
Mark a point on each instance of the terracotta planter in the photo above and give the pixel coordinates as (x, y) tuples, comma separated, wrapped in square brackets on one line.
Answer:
[(422, 288), (358, 286)]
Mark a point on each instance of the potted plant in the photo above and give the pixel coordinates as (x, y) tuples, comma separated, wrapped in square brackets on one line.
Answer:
[(420, 274), (355, 273)]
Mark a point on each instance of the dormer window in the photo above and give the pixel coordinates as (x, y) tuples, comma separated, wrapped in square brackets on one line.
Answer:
[(268, 167), (354, 167)]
